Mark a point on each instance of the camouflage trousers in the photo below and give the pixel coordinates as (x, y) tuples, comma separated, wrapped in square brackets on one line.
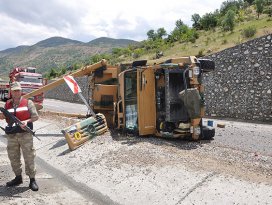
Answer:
[(21, 143)]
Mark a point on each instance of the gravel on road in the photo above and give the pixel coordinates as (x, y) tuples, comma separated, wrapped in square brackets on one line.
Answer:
[(114, 168)]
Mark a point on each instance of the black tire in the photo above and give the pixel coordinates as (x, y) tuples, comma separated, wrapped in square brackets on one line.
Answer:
[(207, 134)]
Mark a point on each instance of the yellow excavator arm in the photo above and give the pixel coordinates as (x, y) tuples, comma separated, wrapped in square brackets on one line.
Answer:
[(86, 70)]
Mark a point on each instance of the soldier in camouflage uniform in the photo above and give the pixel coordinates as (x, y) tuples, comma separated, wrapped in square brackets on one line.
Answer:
[(25, 111)]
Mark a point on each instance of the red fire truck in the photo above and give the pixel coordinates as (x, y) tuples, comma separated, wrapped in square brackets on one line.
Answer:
[(29, 80)]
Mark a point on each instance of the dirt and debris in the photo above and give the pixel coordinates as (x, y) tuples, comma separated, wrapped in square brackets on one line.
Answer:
[(121, 169)]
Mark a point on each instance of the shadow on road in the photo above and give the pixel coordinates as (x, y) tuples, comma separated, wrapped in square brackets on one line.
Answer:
[(12, 191), (49, 135), (58, 144), (130, 139), (64, 152)]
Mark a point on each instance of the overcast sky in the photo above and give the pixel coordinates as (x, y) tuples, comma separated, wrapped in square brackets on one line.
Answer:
[(26, 22)]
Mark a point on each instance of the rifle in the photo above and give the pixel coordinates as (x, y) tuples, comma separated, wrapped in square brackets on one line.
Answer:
[(14, 119), (2, 128)]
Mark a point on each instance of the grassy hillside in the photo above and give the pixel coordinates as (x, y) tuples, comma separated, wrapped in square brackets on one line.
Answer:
[(213, 41)]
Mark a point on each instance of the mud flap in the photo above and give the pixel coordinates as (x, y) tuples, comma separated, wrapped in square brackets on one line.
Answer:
[(80, 132)]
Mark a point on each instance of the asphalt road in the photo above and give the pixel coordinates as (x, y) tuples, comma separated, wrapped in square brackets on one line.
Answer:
[(239, 135), (234, 168), (61, 106)]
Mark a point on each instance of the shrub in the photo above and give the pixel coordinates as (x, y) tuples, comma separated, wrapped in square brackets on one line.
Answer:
[(224, 41), (192, 40), (268, 11), (137, 53), (207, 41), (249, 31), (200, 53)]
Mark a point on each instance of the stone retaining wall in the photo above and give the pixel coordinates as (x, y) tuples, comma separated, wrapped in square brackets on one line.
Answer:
[(240, 87), (64, 93)]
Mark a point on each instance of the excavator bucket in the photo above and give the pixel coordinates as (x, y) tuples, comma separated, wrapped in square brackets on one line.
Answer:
[(80, 132)]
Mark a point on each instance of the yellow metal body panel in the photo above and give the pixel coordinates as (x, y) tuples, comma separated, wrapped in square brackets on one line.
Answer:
[(108, 74), (146, 101), (121, 90), (104, 90), (79, 133)]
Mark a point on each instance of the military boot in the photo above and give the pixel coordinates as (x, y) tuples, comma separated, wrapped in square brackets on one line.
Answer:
[(16, 181), (33, 185)]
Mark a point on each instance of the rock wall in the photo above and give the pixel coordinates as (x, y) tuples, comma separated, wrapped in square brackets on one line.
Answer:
[(64, 93), (241, 85)]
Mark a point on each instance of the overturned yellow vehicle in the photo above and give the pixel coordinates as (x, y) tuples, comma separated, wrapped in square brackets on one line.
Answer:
[(165, 99)]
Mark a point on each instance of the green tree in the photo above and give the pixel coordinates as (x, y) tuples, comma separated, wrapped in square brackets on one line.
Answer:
[(182, 32), (249, 1), (62, 71), (230, 5), (151, 34), (196, 21), (179, 23), (241, 15), (208, 21), (117, 51), (161, 32), (259, 7), (228, 22), (52, 73), (76, 66)]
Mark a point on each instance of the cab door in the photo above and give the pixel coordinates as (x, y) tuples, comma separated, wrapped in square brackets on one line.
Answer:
[(146, 101)]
